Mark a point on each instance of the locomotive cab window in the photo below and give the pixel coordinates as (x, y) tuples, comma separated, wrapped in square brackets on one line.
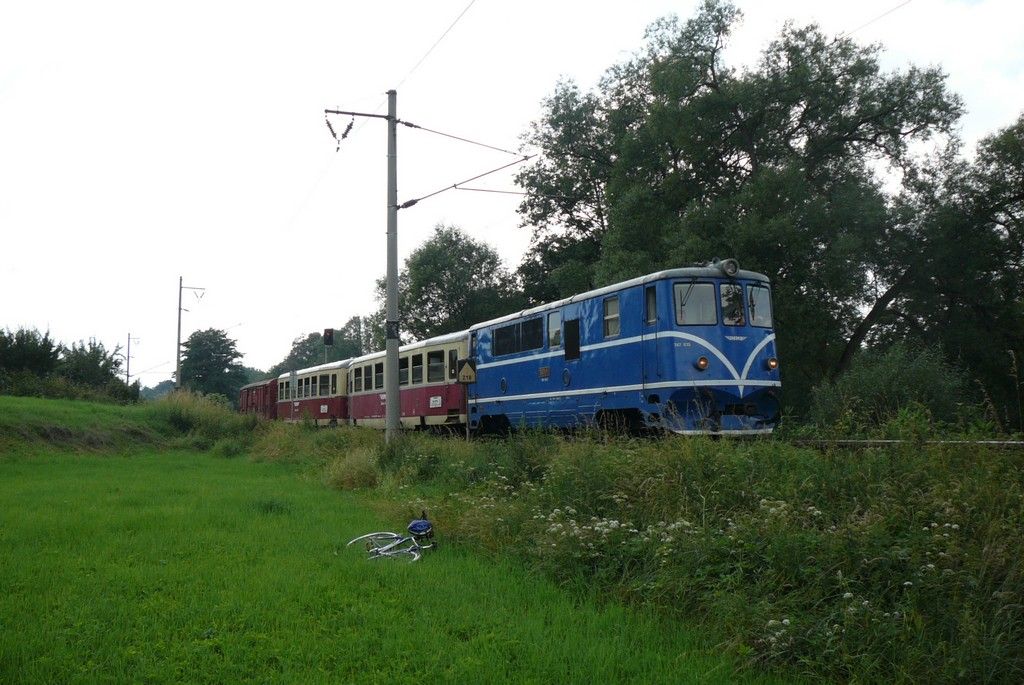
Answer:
[(732, 305), (695, 304), (760, 303), (611, 317), (435, 366)]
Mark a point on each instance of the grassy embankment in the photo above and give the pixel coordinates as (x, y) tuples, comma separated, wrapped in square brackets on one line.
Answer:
[(127, 555), (883, 565)]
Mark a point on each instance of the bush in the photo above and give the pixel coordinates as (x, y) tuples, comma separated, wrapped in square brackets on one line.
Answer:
[(204, 419), (880, 385), (354, 470)]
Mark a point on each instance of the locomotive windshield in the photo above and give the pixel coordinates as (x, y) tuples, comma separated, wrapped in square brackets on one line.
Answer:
[(760, 306), (695, 304), (732, 305)]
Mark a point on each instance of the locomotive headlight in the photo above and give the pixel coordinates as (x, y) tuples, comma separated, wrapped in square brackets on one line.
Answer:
[(701, 364), (729, 267), (772, 363)]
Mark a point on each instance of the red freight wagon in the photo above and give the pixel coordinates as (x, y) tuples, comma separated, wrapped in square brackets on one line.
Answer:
[(427, 380), (259, 398), (317, 393)]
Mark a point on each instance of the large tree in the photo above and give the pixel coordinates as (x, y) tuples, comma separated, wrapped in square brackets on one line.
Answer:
[(449, 283), (677, 158), (210, 364)]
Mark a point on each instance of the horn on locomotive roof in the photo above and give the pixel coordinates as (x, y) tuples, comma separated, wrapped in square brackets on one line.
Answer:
[(729, 267)]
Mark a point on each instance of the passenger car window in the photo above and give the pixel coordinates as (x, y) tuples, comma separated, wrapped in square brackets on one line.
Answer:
[(435, 366), (417, 368), (403, 371)]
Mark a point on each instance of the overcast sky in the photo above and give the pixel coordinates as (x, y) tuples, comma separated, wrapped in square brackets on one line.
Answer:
[(140, 142)]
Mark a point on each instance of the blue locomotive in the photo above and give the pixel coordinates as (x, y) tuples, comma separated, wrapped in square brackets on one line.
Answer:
[(688, 350)]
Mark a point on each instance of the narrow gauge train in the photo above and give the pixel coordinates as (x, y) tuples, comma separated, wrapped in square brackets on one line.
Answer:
[(688, 350)]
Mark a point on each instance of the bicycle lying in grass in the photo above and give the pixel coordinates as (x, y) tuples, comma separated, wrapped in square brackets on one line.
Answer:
[(392, 545)]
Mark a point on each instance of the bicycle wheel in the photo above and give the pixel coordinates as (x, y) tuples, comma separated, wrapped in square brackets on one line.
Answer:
[(375, 542), (409, 554)]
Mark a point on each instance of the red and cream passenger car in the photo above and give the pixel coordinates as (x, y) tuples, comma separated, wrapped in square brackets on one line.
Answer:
[(317, 393), (427, 380)]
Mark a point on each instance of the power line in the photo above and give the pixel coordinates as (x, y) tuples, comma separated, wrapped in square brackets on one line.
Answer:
[(436, 43), (455, 186), (869, 23), (519, 192), (455, 137)]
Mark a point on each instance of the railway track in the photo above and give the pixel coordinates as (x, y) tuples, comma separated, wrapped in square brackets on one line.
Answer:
[(865, 444)]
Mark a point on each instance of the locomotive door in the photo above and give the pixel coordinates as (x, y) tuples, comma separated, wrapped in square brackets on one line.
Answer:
[(649, 359)]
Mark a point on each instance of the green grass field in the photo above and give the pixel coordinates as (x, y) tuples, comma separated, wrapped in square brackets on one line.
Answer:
[(155, 565)]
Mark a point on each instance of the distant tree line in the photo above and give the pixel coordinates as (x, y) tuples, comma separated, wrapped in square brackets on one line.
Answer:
[(34, 364)]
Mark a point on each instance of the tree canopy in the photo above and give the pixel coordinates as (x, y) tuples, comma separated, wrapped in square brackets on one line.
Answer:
[(840, 180), (209, 364), (449, 283), (308, 350)]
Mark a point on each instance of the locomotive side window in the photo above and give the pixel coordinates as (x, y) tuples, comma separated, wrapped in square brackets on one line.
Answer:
[(650, 305), (555, 329), (378, 375), (417, 368), (532, 335), (505, 340), (611, 317), (357, 379), (572, 339), (403, 371), (732, 305), (435, 366), (695, 304), (760, 303)]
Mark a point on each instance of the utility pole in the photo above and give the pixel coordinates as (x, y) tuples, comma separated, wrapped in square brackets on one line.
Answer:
[(392, 403), (128, 361), (177, 349), (393, 421)]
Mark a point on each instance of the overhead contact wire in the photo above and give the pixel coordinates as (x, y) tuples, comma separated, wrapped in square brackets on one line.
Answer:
[(455, 186)]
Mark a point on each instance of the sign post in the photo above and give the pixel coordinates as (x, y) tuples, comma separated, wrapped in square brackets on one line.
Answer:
[(466, 376)]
